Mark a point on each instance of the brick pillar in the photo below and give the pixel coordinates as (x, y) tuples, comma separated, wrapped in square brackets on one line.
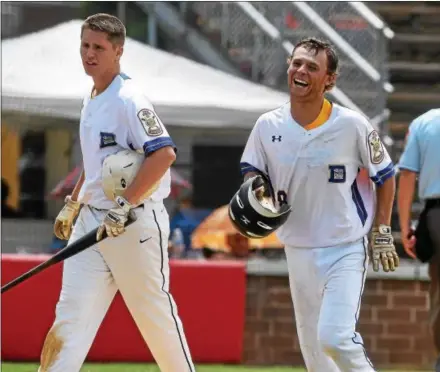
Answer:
[(270, 332), (393, 323)]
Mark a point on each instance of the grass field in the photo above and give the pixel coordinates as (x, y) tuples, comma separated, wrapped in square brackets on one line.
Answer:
[(113, 367)]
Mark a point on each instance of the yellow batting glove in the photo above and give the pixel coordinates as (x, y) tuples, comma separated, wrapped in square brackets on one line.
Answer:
[(64, 221), (382, 249), (114, 221)]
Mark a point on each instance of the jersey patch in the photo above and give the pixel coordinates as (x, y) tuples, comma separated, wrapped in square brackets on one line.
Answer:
[(107, 139), (150, 122), (337, 173), (375, 147)]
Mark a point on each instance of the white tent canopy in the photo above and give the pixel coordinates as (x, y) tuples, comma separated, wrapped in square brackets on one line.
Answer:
[(42, 74)]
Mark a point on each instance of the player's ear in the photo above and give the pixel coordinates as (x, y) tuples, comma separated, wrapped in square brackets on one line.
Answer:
[(120, 51), (331, 82)]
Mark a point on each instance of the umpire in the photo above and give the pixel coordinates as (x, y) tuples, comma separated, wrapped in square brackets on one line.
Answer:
[(421, 159)]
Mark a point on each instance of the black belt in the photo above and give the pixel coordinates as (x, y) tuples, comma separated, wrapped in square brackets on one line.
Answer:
[(106, 210), (431, 203)]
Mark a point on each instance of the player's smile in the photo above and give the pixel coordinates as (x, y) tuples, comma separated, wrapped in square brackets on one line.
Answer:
[(300, 85)]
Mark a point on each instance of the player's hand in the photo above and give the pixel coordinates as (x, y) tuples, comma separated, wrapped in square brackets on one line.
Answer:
[(64, 221), (259, 192), (409, 243), (114, 221), (382, 249)]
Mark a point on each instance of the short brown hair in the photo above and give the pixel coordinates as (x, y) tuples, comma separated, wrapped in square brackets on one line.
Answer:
[(316, 45), (107, 23)]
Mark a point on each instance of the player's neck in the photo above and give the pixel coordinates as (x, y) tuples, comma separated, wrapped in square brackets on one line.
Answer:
[(101, 83), (305, 113)]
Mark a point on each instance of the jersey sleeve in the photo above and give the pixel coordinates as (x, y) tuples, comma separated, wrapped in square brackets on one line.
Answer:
[(410, 158), (253, 157), (373, 154), (147, 133)]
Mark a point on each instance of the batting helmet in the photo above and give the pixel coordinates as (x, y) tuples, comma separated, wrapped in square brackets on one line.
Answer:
[(119, 171), (253, 213)]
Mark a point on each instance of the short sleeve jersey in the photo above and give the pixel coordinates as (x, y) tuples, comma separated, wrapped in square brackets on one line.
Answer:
[(327, 174), (422, 153), (119, 118)]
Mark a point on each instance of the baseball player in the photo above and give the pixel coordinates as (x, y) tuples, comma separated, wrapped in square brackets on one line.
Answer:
[(115, 116), (421, 159), (317, 156)]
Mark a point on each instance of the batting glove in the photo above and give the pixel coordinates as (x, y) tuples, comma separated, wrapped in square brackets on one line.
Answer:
[(114, 221), (382, 249), (64, 221)]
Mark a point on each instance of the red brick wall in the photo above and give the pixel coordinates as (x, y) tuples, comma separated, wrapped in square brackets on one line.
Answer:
[(393, 323)]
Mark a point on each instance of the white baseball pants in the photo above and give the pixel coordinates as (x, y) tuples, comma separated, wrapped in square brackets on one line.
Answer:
[(326, 286), (91, 279)]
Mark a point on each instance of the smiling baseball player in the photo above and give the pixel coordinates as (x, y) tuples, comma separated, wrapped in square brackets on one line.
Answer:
[(317, 156), (116, 116)]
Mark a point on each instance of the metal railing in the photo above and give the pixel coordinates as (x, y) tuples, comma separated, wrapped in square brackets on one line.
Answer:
[(287, 46), (351, 53), (258, 37), (174, 25)]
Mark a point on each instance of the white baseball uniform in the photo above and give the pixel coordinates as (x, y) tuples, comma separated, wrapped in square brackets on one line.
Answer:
[(136, 262), (322, 172)]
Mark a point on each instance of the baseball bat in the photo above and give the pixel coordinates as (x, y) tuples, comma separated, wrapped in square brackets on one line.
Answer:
[(72, 249)]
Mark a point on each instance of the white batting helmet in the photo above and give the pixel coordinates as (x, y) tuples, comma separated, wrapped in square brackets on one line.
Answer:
[(119, 171)]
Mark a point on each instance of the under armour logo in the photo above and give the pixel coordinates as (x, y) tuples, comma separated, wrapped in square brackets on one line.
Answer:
[(276, 138), (245, 220)]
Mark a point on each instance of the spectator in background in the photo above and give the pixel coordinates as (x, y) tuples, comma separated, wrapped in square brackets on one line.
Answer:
[(176, 247), (7, 211), (421, 158), (184, 222), (238, 249), (57, 244)]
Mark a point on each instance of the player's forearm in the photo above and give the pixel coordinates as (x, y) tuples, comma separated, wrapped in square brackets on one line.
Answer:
[(405, 195), (152, 170), (385, 198), (77, 188)]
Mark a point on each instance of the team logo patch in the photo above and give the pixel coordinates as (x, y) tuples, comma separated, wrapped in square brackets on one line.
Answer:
[(375, 146), (107, 139), (337, 173), (150, 122)]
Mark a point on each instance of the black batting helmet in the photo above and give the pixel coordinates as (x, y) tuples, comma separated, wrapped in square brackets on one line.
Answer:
[(253, 215)]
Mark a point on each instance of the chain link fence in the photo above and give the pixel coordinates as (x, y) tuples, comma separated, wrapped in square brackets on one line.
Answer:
[(247, 45), (259, 52), (369, 41)]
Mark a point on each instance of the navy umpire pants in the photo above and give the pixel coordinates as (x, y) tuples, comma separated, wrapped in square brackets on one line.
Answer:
[(433, 222)]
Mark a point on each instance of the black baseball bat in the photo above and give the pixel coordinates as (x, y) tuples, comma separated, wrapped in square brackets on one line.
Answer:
[(72, 249)]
